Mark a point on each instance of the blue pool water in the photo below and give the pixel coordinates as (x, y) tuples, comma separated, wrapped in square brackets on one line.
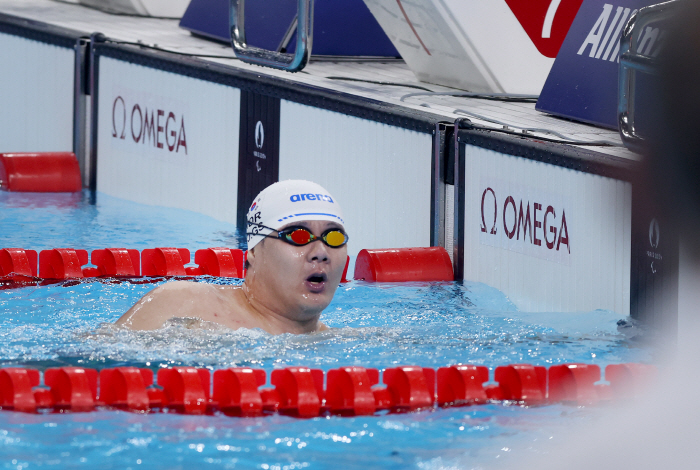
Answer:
[(372, 325)]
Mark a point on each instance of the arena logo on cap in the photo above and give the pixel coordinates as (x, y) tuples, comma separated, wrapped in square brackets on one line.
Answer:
[(311, 197)]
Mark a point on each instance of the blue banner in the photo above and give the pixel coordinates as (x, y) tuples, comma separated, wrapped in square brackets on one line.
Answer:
[(583, 82), (341, 27)]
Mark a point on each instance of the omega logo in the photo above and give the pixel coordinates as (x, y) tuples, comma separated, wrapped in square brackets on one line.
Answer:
[(118, 104), (536, 225), (259, 135), (149, 127), (495, 211)]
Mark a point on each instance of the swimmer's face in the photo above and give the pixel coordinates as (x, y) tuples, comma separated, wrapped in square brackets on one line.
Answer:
[(297, 280)]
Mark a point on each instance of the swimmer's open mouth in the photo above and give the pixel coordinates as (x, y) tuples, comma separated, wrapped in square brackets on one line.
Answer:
[(316, 283), (317, 278)]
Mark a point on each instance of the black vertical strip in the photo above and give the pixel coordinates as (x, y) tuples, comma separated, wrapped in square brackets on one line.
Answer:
[(258, 148), (94, 93), (80, 89), (460, 198), (654, 265)]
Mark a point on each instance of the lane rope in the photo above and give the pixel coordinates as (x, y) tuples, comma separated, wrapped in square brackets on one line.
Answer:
[(306, 393)]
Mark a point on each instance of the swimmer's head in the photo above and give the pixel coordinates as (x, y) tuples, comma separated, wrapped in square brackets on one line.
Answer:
[(294, 274), (287, 202)]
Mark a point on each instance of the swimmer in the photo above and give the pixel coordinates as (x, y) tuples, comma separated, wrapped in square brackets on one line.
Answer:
[(296, 256)]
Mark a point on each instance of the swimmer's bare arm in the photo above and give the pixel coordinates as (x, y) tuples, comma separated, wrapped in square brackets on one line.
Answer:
[(223, 305), (171, 300)]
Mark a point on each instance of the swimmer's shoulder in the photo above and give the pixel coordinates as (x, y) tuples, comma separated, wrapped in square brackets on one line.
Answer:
[(174, 299)]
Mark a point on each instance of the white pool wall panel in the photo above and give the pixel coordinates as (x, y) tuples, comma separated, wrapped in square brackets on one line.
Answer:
[(201, 178), (594, 274), (36, 96), (380, 174)]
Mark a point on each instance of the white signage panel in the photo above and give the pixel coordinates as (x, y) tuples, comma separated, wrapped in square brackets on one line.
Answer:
[(36, 96), (167, 139), (551, 238), (380, 174)]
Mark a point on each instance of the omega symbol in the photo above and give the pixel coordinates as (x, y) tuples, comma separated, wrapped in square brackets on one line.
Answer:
[(117, 118), (484, 227), (259, 135)]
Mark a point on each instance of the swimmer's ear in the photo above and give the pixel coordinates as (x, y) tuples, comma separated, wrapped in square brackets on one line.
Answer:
[(250, 258)]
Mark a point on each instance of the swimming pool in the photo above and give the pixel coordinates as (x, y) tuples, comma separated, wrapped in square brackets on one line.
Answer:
[(373, 326)]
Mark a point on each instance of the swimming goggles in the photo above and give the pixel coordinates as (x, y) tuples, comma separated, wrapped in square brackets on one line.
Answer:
[(300, 236)]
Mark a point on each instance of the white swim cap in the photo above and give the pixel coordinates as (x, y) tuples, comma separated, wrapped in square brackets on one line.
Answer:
[(289, 201)]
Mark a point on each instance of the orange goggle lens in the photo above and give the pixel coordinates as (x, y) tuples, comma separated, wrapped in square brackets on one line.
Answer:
[(334, 238)]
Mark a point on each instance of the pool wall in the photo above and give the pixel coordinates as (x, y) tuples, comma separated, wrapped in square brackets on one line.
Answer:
[(36, 87), (156, 145), (557, 239), (175, 133), (382, 171), (196, 134)]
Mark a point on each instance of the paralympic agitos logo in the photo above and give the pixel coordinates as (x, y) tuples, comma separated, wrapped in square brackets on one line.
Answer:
[(535, 223), (158, 128)]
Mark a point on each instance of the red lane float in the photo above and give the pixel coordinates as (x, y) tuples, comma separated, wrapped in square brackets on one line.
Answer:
[(626, 379), (349, 391), (344, 277), (186, 389), (117, 262), (404, 264), (16, 389), (574, 383), (126, 388), (236, 391), (224, 262), (411, 387), (461, 385), (72, 388), (522, 382), (164, 261), (62, 263), (299, 391), (52, 172), (18, 264)]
